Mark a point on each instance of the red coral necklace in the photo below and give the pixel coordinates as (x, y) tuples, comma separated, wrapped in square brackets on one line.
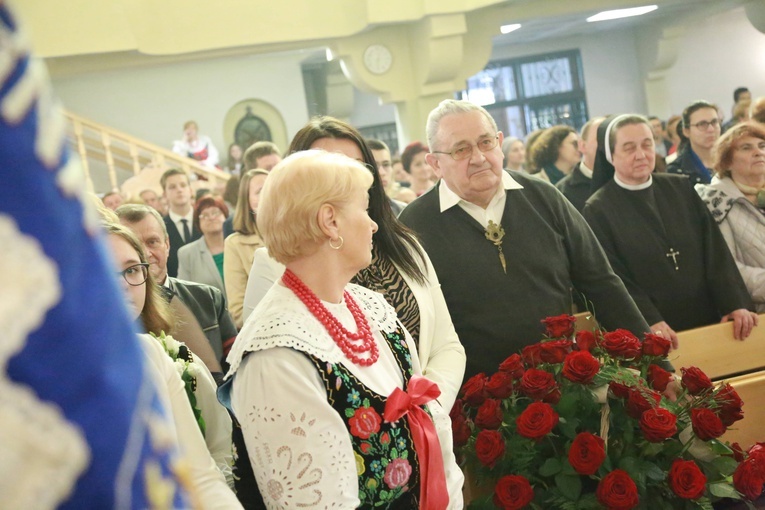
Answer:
[(351, 344)]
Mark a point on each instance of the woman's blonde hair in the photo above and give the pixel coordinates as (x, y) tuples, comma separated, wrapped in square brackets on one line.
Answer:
[(294, 192), (156, 315), (244, 217)]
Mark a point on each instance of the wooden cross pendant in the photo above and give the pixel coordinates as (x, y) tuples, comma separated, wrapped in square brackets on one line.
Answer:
[(672, 253)]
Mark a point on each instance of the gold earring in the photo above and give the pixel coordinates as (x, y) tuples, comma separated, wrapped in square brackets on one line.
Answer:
[(338, 246)]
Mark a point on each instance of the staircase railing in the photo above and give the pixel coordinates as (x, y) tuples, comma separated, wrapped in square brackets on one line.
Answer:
[(118, 150)]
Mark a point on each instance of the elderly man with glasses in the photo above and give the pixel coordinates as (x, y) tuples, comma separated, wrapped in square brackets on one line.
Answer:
[(507, 247)]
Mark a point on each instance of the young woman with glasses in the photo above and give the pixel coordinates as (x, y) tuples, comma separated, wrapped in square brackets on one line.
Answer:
[(208, 456), (701, 125)]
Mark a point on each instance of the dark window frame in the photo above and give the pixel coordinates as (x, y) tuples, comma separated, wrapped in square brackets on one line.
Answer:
[(574, 100)]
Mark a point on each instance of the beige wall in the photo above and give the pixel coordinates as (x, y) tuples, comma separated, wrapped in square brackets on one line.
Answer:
[(153, 102)]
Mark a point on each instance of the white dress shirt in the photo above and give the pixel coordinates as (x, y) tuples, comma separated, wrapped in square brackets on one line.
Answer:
[(176, 218), (495, 209)]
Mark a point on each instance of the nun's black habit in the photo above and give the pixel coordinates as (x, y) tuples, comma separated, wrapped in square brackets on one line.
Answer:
[(665, 246)]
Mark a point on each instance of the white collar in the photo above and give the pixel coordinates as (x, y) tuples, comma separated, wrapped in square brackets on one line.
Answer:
[(586, 171), (633, 187), (448, 199), (175, 218), (282, 320)]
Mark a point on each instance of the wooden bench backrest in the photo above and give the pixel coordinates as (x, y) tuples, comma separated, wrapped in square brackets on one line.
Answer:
[(714, 350)]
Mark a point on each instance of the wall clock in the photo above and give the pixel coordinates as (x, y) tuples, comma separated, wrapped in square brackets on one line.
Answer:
[(378, 59)]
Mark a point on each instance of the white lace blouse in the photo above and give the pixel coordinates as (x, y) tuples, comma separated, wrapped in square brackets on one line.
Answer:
[(299, 446)]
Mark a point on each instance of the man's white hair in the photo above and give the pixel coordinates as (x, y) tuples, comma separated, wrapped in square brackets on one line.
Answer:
[(452, 107)]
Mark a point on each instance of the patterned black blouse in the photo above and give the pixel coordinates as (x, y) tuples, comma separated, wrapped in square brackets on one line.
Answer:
[(383, 277)]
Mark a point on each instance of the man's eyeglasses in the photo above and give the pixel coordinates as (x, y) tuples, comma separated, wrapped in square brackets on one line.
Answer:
[(704, 124), (466, 151), (135, 275)]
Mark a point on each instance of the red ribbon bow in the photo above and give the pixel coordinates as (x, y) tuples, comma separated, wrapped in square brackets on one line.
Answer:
[(420, 391)]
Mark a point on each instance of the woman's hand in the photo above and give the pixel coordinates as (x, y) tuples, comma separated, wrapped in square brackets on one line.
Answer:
[(743, 322), (663, 329)]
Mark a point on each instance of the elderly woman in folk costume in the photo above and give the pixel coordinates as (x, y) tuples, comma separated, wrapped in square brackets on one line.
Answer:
[(324, 380)]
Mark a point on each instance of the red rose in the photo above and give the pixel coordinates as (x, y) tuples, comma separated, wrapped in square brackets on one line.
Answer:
[(460, 431), (560, 326), (553, 397), (365, 422), (641, 400), (617, 491), (621, 344), (619, 390), (500, 385), (757, 451), (531, 355), (489, 414), (513, 365), (580, 367), (706, 424), (513, 492), (365, 447), (586, 340), (748, 479), (658, 377), (489, 447), (695, 380), (457, 409), (537, 384), (738, 452), (536, 421), (554, 351), (658, 424), (686, 479), (384, 438), (587, 453), (474, 391), (729, 403), (655, 345)]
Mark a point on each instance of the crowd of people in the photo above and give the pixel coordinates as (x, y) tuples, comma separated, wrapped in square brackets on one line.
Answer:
[(327, 289)]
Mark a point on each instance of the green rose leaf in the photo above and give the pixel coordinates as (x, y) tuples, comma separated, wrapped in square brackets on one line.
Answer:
[(653, 472), (725, 465), (720, 448), (569, 486), (552, 466), (724, 490)]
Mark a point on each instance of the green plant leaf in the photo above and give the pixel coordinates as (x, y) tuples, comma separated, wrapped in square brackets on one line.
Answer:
[(725, 465), (569, 427), (569, 486), (724, 490), (720, 448), (551, 467), (653, 472), (566, 406)]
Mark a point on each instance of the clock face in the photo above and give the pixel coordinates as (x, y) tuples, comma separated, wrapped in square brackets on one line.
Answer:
[(378, 58)]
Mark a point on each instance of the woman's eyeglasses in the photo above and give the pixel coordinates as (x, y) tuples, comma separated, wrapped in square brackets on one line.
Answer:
[(211, 214), (704, 124), (135, 275)]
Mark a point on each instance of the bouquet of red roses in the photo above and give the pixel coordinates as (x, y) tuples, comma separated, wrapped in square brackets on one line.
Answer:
[(586, 424)]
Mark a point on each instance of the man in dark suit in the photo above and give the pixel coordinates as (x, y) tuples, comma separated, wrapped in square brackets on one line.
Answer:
[(179, 223), (207, 304)]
